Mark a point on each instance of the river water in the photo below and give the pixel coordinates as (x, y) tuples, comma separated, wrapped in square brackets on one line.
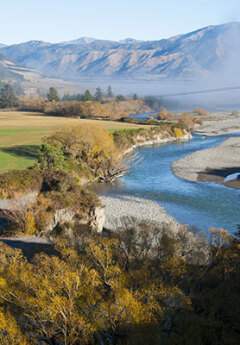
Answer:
[(197, 204)]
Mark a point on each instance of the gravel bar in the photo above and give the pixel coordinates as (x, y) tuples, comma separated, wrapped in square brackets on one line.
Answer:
[(120, 206)]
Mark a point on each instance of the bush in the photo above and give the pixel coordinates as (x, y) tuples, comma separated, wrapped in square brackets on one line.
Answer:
[(109, 110), (235, 112), (188, 121), (17, 182), (88, 151), (200, 111), (32, 104), (164, 115)]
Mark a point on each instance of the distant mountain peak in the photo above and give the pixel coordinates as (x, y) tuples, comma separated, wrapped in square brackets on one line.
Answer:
[(80, 40), (36, 43), (130, 40)]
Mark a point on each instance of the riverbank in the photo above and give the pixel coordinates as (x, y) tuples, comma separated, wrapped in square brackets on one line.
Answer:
[(214, 164), (159, 140), (221, 127), (123, 207)]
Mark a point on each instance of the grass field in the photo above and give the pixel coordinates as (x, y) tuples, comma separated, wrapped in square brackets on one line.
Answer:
[(21, 133)]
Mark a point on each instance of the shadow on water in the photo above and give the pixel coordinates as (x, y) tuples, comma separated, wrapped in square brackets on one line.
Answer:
[(26, 151), (223, 172)]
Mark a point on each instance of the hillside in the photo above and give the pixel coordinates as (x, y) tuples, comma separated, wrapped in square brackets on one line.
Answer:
[(195, 54), (9, 70)]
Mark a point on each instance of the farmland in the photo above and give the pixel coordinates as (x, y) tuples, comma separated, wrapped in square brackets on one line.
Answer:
[(22, 132)]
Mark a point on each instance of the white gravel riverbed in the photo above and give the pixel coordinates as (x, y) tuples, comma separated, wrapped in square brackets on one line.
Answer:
[(122, 206), (226, 155)]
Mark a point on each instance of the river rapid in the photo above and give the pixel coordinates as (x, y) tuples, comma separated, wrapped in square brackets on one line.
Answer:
[(197, 204)]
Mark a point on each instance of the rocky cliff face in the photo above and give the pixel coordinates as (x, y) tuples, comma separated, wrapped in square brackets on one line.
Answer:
[(62, 220), (67, 219)]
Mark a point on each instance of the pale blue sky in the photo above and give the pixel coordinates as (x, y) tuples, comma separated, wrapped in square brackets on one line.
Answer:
[(59, 20)]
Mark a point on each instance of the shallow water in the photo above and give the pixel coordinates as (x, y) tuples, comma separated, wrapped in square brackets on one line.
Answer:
[(197, 204)]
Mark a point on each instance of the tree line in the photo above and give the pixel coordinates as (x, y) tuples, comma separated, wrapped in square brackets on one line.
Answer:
[(9, 95)]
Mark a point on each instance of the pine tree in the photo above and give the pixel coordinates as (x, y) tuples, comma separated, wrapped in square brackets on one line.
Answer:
[(53, 95), (87, 96), (109, 92), (135, 97), (7, 97), (98, 94)]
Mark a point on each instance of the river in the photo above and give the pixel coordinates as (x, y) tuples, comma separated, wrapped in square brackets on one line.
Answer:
[(197, 204)]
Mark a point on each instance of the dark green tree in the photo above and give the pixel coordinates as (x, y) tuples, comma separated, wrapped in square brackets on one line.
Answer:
[(135, 97), (7, 97), (98, 94), (109, 92), (87, 96), (51, 157), (120, 98), (53, 95)]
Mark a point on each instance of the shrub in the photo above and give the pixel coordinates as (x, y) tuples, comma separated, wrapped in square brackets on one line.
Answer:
[(188, 121), (164, 115), (199, 121), (200, 111), (84, 150), (32, 104), (235, 112), (150, 118), (17, 182), (178, 132)]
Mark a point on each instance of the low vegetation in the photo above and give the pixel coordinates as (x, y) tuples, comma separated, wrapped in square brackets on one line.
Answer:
[(189, 121), (165, 115), (18, 182), (235, 113), (200, 111), (140, 286)]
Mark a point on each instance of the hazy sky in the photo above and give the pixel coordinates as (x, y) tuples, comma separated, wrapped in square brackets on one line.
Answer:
[(59, 20)]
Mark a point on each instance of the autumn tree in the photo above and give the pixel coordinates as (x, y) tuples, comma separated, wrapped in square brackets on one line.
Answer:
[(138, 286), (10, 332), (188, 121), (164, 115), (89, 149)]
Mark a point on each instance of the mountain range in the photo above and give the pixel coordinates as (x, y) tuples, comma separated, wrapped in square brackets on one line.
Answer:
[(196, 54)]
